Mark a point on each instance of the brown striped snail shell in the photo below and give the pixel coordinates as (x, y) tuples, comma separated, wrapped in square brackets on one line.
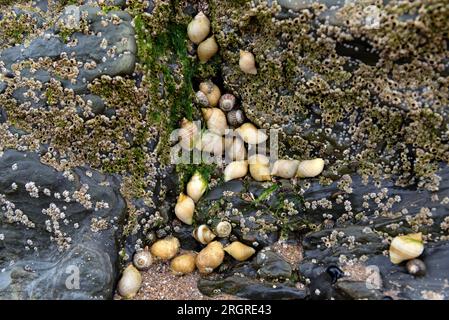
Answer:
[(201, 99), (236, 117), (212, 92), (416, 267), (227, 102), (203, 234)]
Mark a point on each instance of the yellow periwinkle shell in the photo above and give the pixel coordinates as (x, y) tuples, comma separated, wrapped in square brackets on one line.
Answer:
[(239, 251), (406, 247), (183, 264), (166, 248)]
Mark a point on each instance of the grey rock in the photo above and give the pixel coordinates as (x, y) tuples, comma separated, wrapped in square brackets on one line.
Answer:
[(245, 287), (272, 265), (96, 103), (296, 5), (368, 242), (111, 47), (430, 286), (3, 116), (40, 262), (357, 290)]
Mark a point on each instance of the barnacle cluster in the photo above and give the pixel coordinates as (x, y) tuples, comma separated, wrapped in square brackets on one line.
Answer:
[(312, 85), (363, 85)]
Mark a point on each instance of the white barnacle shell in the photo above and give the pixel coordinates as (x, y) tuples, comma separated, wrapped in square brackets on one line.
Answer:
[(235, 170), (198, 28), (406, 247), (285, 168), (310, 168), (203, 234), (184, 209)]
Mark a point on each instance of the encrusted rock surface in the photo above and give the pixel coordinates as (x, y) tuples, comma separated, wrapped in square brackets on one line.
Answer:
[(59, 235), (92, 89)]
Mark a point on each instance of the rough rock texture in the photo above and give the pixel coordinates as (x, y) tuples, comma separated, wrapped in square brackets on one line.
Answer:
[(363, 86), (364, 238), (259, 212), (245, 287), (345, 80), (54, 227), (84, 44)]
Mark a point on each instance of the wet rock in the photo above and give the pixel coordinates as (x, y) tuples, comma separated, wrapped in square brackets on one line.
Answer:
[(359, 50), (431, 286), (250, 289), (184, 233), (109, 49), (321, 287), (3, 116), (95, 103), (272, 265), (357, 290), (364, 239), (60, 231)]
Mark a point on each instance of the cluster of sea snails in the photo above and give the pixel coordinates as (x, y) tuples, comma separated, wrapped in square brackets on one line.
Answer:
[(208, 259), (220, 113), (197, 31), (408, 248)]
